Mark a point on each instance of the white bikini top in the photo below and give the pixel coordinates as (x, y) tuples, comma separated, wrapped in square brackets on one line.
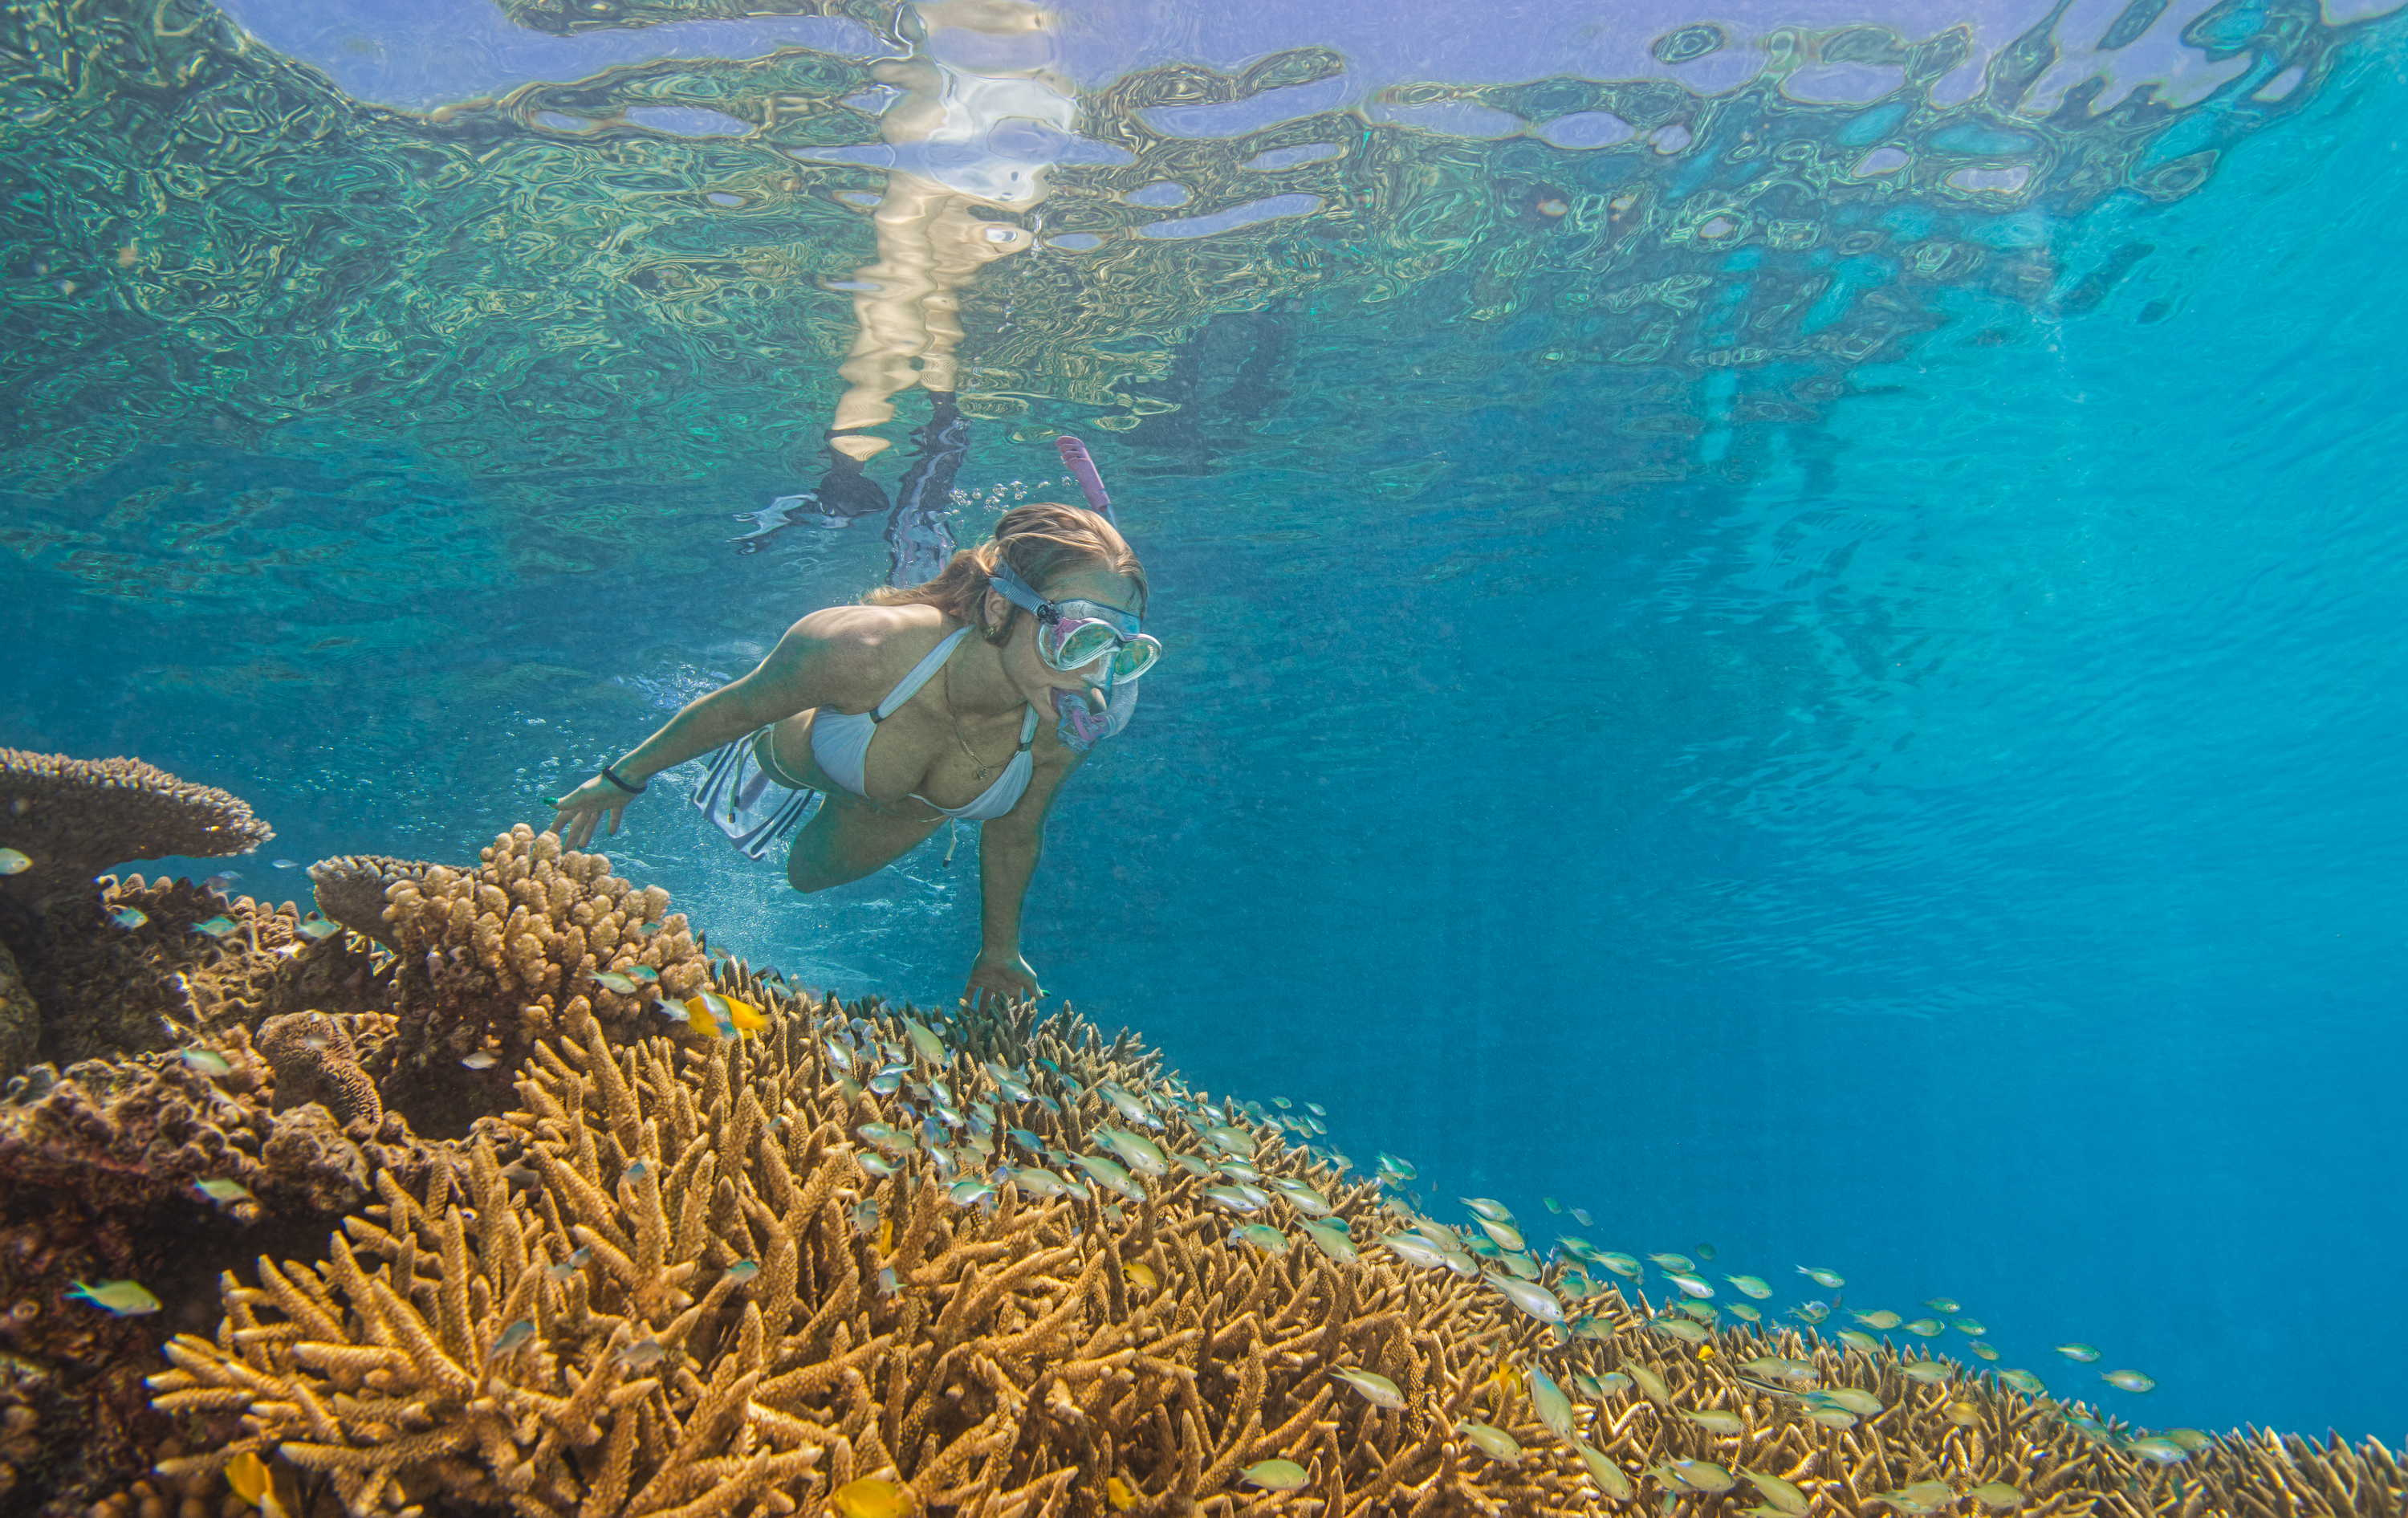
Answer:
[(840, 743)]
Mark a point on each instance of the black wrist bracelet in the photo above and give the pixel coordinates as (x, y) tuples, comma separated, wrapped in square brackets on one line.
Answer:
[(610, 775)]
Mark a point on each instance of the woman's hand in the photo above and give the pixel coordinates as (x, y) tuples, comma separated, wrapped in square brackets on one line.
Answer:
[(577, 811), (999, 977)]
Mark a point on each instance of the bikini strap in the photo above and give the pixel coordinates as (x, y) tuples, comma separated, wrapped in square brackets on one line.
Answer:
[(1029, 729), (921, 674)]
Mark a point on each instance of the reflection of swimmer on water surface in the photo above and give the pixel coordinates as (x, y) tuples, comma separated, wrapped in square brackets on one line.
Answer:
[(932, 236)]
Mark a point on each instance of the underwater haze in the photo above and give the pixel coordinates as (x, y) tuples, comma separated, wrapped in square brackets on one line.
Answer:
[(1782, 624)]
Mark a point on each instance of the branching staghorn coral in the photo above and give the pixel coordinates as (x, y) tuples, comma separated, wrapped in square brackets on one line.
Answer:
[(74, 818), (495, 958), (727, 1308)]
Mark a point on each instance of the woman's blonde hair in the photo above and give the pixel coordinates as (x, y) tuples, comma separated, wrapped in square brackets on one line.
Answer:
[(1041, 541)]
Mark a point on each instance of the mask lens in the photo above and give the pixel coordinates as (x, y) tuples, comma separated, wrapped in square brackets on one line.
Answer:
[(1136, 657), (1083, 644)]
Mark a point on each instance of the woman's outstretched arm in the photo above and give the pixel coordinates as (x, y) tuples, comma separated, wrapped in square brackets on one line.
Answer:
[(814, 663)]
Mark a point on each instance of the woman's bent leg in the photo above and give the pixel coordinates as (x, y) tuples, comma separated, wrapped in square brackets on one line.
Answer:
[(845, 840)]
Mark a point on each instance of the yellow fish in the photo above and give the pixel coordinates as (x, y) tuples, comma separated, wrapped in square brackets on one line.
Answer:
[(723, 1017), (1121, 1495), (870, 1498), (1139, 1274), (247, 1474)]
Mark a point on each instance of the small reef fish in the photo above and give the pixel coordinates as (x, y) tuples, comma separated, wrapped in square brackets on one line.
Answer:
[(1552, 1205), (1143, 1154), (613, 980), (1740, 1309), (1602, 1471), (1547, 1400), (1829, 1279), (1702, 1475), (1996, 1496), (1276, 1476), (1715, 1421), (1781, 1495), (1706, 1253), (2129, 1380), (287, 863), (892, 1141), (1929, 1372), (314, 927), (217, 927), (2023, 1381), (1862, 1403), (1753, 1285), (1651, 1385), (1926, 1327), (480, 1060), (1985, 1351), (1411, 1248), (131, 918), (1262, 1236), (124, 1298), (577, 1261), (1969, 1326), (1235, 1142), (1582, 1218), (1811, 1313), (876, 1165), (14, 862), (1857, 1338), (1964, 1414), (206, 1061), (514, 1338), (644, 972), (1884, 1319), (1105, 1173), (1120, 1493), (1673, 1262), (639, 1354), (970, 1191), (1138, 1273), (252, 1481), (1237, 1199), (743, 1271), (1488, 1209), (1697, 1286), (870, 1498), (865, 1217), (224, 1191), (1944, 1304), (725, 1017), (2082, 1353), (1683, 1329), (2158, 1449), (222, 879), (1530, 1297), (1505, 1234), (1332, 1239), (924, 1039), (1304, 1197), (1491, 1442), (1623, 1266), (1377, 1389)]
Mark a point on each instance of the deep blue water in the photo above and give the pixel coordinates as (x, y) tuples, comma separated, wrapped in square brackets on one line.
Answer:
[(1953, 837)]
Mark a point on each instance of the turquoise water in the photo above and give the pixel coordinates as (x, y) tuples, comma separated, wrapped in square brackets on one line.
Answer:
[(1925, 804)]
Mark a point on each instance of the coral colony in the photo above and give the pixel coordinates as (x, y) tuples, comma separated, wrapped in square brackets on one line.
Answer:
[(504, 1195)]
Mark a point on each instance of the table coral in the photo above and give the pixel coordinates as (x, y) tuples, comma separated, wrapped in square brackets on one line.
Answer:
[(493, 958), (74, 818)]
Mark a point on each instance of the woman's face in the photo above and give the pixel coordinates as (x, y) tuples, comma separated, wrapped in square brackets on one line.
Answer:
[(1038, 680)]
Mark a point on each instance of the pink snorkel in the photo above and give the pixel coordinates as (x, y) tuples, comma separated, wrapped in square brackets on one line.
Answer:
[(1091, 484)]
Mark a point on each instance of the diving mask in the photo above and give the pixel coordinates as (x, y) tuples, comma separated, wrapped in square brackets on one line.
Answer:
[(1074, 634)]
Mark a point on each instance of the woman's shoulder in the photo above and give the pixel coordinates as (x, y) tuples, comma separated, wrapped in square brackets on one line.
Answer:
[(864, 650)]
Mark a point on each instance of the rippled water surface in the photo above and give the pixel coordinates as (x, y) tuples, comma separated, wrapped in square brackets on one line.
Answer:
[(1782, 624)]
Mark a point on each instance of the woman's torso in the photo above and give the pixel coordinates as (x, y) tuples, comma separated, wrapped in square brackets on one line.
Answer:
[(914, 762)]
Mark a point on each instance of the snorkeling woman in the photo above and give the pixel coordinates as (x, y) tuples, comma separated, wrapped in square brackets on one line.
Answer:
[(925, 703)]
